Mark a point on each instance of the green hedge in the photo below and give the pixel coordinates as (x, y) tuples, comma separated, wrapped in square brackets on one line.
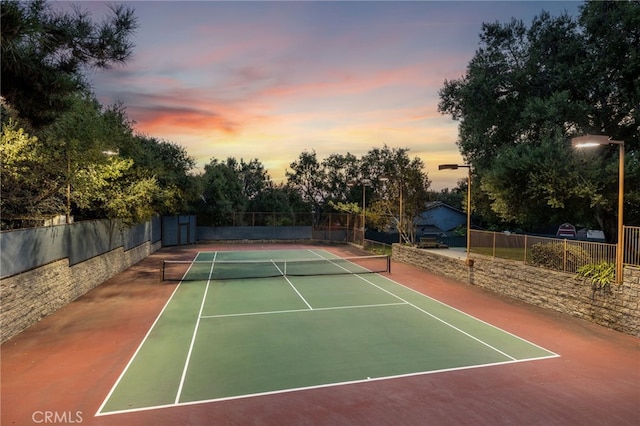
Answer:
[(552, 256)]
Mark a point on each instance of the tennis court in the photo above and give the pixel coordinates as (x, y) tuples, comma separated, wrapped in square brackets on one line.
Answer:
[(247, 323)]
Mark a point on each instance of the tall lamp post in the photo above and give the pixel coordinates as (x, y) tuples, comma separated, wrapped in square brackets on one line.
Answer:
[(385, 178), (456, 167), (365, 183), (589, 141)]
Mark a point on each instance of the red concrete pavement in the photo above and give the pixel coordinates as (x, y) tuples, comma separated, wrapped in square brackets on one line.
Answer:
[(61, 369)]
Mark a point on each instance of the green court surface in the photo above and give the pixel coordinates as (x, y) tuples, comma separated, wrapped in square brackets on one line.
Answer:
[(232, 338)]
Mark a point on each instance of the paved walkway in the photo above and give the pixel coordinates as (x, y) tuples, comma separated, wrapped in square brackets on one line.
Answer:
[(455, 252)]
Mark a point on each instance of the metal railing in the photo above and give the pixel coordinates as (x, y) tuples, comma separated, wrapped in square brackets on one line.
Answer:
[(559, 254), (631, 245)]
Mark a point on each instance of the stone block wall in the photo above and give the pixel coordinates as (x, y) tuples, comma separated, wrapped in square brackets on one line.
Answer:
[(617, 307), (28, 297)]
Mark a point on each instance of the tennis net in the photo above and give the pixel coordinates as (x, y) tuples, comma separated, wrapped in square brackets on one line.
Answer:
[(176, 270)]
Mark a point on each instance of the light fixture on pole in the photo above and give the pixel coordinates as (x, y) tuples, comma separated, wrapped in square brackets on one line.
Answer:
[(365, 183), (385, 178), (589, 141), (456, 167)]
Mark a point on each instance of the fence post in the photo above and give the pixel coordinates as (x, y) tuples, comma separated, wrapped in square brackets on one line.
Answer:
[(494, 243), (525, 249), (564, 257)]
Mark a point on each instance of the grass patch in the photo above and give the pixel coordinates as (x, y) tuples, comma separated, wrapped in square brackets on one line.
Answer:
[(501, 252)]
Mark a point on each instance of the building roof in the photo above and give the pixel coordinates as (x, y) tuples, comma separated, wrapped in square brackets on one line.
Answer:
[(439, 217), (430, 205)]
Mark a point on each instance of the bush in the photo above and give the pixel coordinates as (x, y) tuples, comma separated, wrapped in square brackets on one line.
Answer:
[(552, 256), (601, 274)]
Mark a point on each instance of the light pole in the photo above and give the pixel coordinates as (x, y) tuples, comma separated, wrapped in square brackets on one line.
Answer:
[(456, 167), (385, 178), (589, 141), (365, 183)]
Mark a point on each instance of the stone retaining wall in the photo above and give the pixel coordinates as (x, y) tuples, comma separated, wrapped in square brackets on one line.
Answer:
[(30, 296), (617, 308)]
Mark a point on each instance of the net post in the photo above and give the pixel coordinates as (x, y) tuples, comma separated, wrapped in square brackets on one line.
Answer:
[(388, 264), (162, 269)]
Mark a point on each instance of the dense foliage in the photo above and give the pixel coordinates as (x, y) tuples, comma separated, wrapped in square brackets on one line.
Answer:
[(63, 152), (391, 179), (44, 52), (527, 92)]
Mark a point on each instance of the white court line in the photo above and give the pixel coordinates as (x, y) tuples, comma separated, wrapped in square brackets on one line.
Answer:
[(430, 314), (249, 314), (513, 360), (144, 339), (291, 284), (326, 385), (443, 321), (472, 317), (195, 332), (466, 314)]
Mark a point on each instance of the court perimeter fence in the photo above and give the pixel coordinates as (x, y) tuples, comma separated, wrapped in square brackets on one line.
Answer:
[(29, 248), (566, 255), (562, 254), (50, 266)]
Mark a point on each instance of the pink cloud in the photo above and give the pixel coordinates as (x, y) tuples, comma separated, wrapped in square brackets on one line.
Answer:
[(158, 120), (270, 79)]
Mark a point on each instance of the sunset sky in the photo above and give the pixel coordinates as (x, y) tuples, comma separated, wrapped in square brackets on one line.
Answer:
[(269, 80)]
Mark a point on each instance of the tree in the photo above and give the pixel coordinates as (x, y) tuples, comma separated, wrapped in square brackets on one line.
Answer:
[(26, 188), (390, 178), (255, 181), (90, 160), (527, 91), (308, 177), (89, 164), (43, 54), (222, 192), (330, 184), (109, 190), (513, 93), (50, 161), (340, 171), (233, 187), (167, 163), (455, 197), (612, 68), (284, 204), (612, 34), (89, 151), (535, 183), (401, 186)]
